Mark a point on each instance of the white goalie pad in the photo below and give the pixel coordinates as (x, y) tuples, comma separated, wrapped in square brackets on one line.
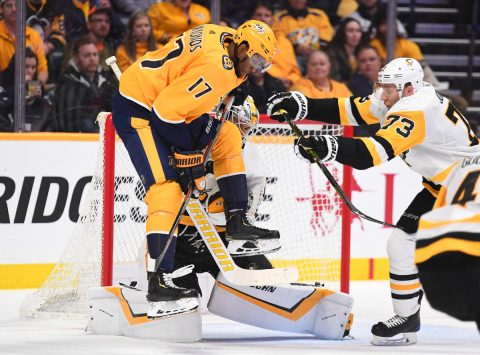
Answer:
[(120, 310), (295, 308)]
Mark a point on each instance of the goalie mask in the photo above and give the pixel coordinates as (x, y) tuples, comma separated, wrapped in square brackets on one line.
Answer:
[(245, 117), (401, 71)]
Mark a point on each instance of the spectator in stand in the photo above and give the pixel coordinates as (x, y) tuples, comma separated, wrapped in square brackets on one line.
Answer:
[(260, 87), (335, 9), (7, 40), (308, 29), (83, 90), (369, 64), (172, 18), (126, 8), (403, 47), (99, 22), (365, 14), (77, 14), (317, 83), (47, 17), (362, 83), (284, 66), (138, 40), (38, 110), (343, 49)]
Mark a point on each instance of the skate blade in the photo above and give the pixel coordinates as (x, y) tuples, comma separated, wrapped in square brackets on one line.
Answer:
[(397, 340), (248, 248), (171, 308)]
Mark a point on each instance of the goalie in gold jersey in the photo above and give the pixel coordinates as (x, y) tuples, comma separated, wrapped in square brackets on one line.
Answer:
[(418, 125), (160, 115)]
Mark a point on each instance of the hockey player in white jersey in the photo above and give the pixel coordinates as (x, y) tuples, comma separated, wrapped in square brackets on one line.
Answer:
[(448, 245), (417, 124)]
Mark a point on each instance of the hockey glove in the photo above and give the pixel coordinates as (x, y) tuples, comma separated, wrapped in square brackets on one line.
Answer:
[(190, 168), (294, 102), (239, 94), (325, 147)]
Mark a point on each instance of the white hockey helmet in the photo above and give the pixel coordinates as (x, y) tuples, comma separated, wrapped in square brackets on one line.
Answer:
[(245, 116), (401, 71)]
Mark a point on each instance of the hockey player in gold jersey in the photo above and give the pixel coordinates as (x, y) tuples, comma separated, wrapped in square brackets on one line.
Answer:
[(417, 124), (160, 115)]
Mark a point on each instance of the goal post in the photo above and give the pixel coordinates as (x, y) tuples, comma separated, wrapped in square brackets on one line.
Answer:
[(107, 243)]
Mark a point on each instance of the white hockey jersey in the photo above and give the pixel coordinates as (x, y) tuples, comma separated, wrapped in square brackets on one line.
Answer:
[(454, 222), (424, 129)]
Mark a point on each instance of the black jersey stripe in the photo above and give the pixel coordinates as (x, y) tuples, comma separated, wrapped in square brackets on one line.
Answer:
[(409, 277), (355, 112), (386, 145), (474, 237), (407, 296)]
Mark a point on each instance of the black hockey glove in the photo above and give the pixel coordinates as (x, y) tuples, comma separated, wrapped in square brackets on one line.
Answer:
[(239, 94), (294, 102), (325, 147), (190, 168)]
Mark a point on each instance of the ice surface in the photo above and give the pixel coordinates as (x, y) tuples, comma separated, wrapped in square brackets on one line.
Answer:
[(440, 334)]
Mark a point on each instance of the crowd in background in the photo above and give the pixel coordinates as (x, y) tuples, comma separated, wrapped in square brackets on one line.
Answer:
[(329, 48)]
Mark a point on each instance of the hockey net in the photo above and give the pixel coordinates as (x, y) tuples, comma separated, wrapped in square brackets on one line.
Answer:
[(105, 245)]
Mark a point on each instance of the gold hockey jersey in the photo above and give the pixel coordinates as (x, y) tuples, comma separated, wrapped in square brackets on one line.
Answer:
[(184, 79)]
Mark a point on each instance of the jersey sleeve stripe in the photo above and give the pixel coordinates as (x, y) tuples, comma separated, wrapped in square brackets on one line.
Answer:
[(431, 187), (355, 112), (385, 145), (373, 150), (345, 111), (443, 174)]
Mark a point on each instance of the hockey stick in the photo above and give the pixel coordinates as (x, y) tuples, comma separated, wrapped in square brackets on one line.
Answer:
[(226, 109), (233, 273), (330, 177)]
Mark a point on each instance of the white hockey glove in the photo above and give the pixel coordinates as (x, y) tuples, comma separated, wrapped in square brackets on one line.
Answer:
[(294, 102), (325, 147)]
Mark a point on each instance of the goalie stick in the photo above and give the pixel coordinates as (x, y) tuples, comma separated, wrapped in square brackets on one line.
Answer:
[(330, 177), (232, 272)]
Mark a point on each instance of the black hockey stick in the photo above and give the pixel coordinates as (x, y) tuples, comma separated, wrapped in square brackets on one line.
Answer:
[(330, 177)]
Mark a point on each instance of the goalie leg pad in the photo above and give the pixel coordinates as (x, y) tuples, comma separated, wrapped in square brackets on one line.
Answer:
[(123, 311), (295, 308)]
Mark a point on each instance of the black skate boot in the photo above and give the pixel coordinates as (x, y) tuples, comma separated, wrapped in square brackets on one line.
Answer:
[(397, 330), (162, 288), (167, 298), (244, 239)]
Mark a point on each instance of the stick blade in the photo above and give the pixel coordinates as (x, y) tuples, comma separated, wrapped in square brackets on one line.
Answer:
[(265, 277)]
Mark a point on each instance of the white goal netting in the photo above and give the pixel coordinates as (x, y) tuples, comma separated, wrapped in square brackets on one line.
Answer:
[(298, 201)]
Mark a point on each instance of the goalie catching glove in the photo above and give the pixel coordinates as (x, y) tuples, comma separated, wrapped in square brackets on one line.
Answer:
[(190, 169), (294, 102), (324, 148)]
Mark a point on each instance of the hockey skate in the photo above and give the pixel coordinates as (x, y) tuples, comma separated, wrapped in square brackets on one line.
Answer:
[(397, 330), (244, 239), (166, 298)]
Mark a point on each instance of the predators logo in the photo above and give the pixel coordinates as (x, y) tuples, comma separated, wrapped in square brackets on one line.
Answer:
[(227, 62)]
